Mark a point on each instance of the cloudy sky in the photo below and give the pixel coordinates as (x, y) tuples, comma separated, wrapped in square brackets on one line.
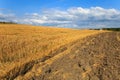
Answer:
[(62, 13)]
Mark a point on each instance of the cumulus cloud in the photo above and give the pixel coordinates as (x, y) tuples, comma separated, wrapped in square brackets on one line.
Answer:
[(7, 16), (76, 17)]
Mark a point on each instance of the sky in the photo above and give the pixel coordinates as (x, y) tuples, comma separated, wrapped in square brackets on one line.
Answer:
[(62, 13)]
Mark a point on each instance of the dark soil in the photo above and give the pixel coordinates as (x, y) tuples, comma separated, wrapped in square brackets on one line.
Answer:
[(98, 58)]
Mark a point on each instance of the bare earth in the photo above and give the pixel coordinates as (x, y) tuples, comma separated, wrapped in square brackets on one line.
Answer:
[(96, 57)]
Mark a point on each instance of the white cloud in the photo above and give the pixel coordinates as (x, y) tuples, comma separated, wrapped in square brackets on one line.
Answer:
[(76, 17), (7, 17)]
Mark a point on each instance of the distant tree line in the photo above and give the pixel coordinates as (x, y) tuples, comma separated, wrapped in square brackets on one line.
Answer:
[(111, 29), (7, 23)]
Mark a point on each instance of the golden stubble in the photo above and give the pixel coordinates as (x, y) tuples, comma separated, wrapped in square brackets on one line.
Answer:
[(20, 44)]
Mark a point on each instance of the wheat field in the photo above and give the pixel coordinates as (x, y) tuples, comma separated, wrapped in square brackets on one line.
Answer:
[(20, 44)]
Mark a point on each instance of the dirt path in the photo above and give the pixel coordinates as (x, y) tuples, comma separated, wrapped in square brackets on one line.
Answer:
[(93, 58)]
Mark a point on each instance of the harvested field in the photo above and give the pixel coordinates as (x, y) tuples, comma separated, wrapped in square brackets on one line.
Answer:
[(39, 53)]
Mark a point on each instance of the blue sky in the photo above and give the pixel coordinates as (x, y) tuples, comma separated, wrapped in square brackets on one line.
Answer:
[(32, 10), (24, 6)]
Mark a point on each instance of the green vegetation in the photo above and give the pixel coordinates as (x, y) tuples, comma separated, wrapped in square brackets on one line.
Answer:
[(7, 23), (112, 29)]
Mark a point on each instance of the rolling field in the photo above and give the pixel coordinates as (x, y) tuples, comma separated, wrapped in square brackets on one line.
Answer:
[(23, 46)]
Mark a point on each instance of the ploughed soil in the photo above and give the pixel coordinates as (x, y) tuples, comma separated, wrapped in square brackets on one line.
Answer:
[(95, 57)]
